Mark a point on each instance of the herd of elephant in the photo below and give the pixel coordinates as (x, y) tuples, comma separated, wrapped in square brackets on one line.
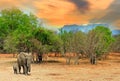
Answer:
[(23, 60)]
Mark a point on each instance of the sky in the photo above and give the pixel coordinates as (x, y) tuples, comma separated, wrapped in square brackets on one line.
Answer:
[(65, 12)]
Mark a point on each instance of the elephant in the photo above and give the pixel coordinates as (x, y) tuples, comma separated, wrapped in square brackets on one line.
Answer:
[(75, 58), (93, 59), (24, 60), (15, 68)]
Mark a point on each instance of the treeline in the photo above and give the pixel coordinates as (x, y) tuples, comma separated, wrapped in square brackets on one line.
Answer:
[(23, 32), (115, 46)]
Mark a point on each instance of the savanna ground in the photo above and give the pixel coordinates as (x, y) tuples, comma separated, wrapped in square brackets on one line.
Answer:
[(57, 70)]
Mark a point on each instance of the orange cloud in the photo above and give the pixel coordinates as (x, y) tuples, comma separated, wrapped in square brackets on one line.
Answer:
[(100, 4), (99, 7), (8, 3), (56, 9), (60, 12)]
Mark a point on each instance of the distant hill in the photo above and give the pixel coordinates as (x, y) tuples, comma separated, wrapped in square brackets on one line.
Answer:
[(85, 28), (115, 32)]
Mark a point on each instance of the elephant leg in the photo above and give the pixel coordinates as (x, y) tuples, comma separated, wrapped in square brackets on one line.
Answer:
[(14, 71), (29, 69), (66, 61), (76, 61), (19, 69), (25, 70), (69, 59)]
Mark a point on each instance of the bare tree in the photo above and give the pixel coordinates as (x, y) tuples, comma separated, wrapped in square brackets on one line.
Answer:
[(98, 42)]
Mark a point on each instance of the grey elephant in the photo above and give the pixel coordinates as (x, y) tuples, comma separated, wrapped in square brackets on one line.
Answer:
[(24, 61), (15, 68)]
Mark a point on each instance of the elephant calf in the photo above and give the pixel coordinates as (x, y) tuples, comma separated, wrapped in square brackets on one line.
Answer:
[(15, 68)]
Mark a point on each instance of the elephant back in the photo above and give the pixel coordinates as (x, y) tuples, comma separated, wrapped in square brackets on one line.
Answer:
[(23, 54)]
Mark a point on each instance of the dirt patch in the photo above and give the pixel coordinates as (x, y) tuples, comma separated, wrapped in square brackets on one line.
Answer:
[(54, 74), (7, 55)]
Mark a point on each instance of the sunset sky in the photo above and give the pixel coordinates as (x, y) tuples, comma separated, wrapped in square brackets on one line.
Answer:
[(61, 12)]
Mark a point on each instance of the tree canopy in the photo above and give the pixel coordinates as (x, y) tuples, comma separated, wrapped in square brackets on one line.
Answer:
[(22, 32), (99, 39)]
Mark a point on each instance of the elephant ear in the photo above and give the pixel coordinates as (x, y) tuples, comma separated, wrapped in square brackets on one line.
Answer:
[(28, 55)]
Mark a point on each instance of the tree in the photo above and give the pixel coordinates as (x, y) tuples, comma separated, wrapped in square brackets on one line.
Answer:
[(45, 41), (16, 25), (73, 43), (98, 42), (79, 42)]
